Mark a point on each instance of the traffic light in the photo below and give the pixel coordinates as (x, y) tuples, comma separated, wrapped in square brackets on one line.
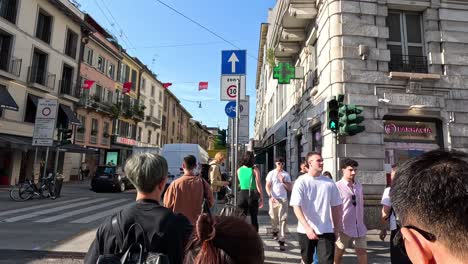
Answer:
[(65, 136), (333, 119), (350, 119)]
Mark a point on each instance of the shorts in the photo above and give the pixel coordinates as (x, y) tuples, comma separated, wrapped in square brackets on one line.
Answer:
[(344, 241)]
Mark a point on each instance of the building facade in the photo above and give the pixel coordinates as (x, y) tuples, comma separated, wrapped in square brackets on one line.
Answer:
[(39, 59), (175, 124), (404, 62), (151, 95)]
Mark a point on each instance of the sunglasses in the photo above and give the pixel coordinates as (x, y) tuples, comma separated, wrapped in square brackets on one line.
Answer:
[(353, 198), (398, 240)]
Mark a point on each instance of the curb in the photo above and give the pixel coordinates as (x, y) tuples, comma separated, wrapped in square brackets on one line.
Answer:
[(41, 254)]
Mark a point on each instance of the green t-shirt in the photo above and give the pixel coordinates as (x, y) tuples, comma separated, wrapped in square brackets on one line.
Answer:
[(247, 178)]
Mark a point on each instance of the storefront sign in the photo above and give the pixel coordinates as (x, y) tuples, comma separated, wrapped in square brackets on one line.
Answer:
[(125, 141), (413, 99), (409, 130)]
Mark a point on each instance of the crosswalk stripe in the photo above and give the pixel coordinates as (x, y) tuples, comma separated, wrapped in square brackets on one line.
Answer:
[(53, 210), (100, 215), (40, 206), (79, 211)]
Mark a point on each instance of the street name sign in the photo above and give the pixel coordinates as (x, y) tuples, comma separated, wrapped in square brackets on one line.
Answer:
[(44, 126), (233, 62), (229, 87)]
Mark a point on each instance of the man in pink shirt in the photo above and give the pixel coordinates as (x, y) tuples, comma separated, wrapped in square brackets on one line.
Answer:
[(354, 229)]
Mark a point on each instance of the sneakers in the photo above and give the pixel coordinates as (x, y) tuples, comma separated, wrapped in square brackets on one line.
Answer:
[(275, 236), (282, 247)]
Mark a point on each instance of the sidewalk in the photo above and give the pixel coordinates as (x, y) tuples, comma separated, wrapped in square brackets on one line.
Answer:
[(378, 251)]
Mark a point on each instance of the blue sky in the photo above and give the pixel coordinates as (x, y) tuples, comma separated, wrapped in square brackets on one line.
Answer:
[(183, 53)]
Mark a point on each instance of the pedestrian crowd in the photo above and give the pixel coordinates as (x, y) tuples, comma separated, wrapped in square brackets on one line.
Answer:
[(425, 209)]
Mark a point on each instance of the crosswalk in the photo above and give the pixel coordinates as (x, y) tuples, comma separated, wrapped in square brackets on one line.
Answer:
[(75, 211)]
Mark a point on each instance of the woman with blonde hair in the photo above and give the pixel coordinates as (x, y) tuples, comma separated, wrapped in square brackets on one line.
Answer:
[(216, 180)]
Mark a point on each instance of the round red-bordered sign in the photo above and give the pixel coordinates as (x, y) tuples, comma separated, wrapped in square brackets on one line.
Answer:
[(46, 111), (231, 91)]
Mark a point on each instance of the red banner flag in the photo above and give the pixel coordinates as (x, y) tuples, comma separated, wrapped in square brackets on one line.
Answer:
[(202, 86), (166, 85), (127, 87), (87, 84)]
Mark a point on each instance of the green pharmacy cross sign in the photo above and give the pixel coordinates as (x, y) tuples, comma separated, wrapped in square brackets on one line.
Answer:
[(284, 72)]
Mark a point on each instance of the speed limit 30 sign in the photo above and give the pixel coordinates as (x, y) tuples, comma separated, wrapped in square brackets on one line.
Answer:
[(229, 87)]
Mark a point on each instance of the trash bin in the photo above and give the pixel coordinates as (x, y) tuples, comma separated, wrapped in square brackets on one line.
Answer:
[(58, 185)]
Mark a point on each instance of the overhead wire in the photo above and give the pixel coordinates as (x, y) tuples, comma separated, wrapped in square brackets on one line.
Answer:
[(115, 20)]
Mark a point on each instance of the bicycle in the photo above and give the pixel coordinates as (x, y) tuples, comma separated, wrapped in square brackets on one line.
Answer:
[(28, 189)]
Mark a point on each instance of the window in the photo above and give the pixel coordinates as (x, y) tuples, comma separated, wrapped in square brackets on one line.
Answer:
[(143, 84), (157, 139), (173, 128), (110, 96), (98, 93), (71, 44), (149, 137), (123, 128), (5, 49), (88, 55), (66, 84), (173, 110), (101, 64), (105, 128), (134, 79), (111, 71), (124, 73), (8, 10), (38, 71), (152, 91), (316, 139), (406, 42), (44, 26), (139, 134), (160, 96), (163, 123), (151, 110), (165, 103), (131, 128)]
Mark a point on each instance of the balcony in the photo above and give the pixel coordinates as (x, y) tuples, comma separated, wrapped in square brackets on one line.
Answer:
[(41, 79), (151, 120), (407, 63), (292, 19), (10, 67), (94, 101), (67, 88)]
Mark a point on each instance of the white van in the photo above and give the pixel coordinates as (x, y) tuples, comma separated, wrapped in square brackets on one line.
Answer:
[(175, 153)]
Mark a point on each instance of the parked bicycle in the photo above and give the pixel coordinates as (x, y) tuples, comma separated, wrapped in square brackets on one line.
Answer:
[(28, 189)]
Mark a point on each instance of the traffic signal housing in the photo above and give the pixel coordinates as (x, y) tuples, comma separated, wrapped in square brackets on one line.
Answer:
[(350, 119), (65, 136), (333, 117)]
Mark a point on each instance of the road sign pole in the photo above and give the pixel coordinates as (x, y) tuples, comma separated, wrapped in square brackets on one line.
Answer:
[(34, 166), (233, 166), (238, 94), (45, 164)]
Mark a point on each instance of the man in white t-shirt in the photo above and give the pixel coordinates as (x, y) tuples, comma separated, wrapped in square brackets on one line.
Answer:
[(316, 200), (278, 183), (388, 216)]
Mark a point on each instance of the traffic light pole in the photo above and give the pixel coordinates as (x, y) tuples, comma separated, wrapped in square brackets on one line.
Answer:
[(335, 155)]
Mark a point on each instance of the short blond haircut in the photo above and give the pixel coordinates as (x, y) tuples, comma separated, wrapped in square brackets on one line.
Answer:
[(219, 156)]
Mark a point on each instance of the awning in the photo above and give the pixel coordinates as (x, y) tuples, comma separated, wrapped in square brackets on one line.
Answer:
[(73, 148), (12, 141), (6, 101), (70, 115)]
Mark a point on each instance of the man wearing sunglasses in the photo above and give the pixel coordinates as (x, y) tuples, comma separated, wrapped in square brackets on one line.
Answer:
[(430, 194), (354, 229), (278, 183)]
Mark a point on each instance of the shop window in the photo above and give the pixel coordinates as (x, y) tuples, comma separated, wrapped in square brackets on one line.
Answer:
[(405, 42), (317, 139), (31, 108)]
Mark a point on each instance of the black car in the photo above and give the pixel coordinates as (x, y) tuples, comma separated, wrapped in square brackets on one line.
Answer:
[(110, 177)]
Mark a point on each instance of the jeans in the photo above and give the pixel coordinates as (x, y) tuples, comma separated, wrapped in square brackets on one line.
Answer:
[(213, 208), (249, 204)]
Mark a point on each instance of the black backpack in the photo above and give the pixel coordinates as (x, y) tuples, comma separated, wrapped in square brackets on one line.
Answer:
[(137, 252)]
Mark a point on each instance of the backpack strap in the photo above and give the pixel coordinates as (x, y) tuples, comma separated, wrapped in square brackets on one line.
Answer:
[(117, 232)]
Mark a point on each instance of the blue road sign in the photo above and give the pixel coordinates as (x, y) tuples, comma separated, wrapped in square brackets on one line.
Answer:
[(233, 62), (230, 109)]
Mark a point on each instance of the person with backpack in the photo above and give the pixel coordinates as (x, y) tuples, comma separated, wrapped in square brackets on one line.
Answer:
[(159, 231), (251, 193), (389, 218), (215, 177), (189, 193)]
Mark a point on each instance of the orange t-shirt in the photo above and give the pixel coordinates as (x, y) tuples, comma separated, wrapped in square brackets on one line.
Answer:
[(185, 196)]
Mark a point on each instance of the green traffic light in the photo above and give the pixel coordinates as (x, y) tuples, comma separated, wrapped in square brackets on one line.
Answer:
[(332, 125)]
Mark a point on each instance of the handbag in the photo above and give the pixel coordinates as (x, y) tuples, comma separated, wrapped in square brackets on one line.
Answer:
[(205, 208)]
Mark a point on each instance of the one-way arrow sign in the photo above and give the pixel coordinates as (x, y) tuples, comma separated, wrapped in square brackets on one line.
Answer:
[(233, 62)]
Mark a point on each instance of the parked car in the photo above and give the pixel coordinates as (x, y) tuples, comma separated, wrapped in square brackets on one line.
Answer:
[(110, 177)]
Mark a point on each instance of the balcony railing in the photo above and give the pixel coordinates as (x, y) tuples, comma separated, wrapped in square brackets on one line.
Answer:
[(94, 101), (41, 76), (408, 63), (10, 64), (153, 120), (68, 87)]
